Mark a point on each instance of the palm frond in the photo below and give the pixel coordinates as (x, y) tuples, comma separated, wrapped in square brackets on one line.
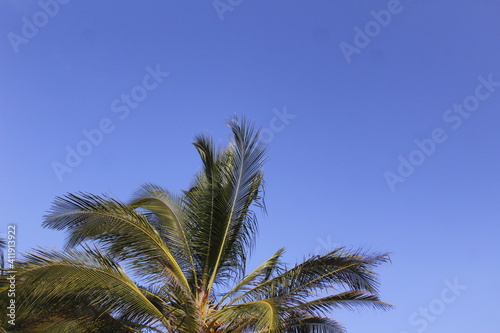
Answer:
[(349, 300), (219, 203), (312, 324), (243, 185), (53, 277), (340, 269), (120, 230), (263, 315), (260, 274), (164, 211)]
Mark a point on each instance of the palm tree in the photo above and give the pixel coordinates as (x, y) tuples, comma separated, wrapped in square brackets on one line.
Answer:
[(176, 263)]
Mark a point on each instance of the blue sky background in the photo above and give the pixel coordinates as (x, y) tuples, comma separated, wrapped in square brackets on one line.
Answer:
[(325, 176)]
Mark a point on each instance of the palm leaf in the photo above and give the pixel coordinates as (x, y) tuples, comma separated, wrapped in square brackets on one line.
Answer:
[(218, 204), (165, 213), (349, 300), (349, 270), (260, 315), (311, 324), (257, 276), (122, 232), (91, 275)]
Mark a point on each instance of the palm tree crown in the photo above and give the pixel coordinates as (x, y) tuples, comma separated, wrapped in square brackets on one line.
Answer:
[(176, 263)]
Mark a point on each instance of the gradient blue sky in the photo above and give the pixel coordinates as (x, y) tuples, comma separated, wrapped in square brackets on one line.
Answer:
[(356, 118)]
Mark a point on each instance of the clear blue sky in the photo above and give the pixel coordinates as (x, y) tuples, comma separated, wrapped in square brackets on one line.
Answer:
[(344, 167)]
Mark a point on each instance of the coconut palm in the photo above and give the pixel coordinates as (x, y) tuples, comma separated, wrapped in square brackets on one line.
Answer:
[(176, 263)]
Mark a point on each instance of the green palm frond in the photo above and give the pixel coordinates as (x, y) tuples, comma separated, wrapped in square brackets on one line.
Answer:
[(219, 203), (65, 324), (260, 274), (348, 270), (121, 231), (349, 300), (311, 324), (89, 275), (165, 212), (263, 315)]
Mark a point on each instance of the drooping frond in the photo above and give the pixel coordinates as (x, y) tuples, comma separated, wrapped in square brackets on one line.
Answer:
[(349, 300), (92, 277), (121, 231), (311, 324), (63, 323), (164, 211)]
